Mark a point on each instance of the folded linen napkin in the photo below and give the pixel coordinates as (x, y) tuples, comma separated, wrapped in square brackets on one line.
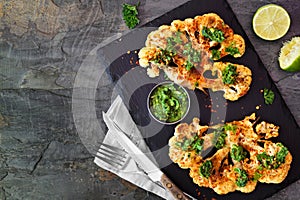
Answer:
[(131, 172)]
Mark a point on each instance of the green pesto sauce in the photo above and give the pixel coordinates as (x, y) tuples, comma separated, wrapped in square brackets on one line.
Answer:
[(168, 103)]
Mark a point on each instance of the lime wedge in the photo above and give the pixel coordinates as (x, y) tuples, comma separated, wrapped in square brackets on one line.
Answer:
[(271, 22), (289, 58)]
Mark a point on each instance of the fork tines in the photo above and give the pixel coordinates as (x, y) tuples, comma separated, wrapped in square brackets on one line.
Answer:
[(111, 155)]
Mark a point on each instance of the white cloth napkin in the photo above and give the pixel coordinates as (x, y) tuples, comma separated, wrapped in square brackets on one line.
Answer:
[(131, 172)]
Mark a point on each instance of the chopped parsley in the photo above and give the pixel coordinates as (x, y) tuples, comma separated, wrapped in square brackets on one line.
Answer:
[(130, 14), (192, 56), (281, 154), (171, 44), (260, 167), (273, 162), (198, 145), (229, 74), (257, 176), (213, 34), (229, 127), (189, 65), (265, 159), (194, 143), (205, 169), (268, 96), (220, 136), (163, 56), (177, 38), (215, 54), (184, 145), (242, 179), (238, 153), (232, 50)]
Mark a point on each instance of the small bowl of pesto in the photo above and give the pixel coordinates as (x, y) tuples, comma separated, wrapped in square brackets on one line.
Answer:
[(168, 102)]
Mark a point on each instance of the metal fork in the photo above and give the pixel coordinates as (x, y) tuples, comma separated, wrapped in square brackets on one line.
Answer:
[(112, 155)]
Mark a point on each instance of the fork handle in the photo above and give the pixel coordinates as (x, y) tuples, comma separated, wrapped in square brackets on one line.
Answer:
[(173, 189)]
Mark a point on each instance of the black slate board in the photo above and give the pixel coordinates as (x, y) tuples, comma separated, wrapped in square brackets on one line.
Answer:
[(157, 138)]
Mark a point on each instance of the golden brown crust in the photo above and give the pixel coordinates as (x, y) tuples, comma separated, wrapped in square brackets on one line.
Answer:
[(223, 178)]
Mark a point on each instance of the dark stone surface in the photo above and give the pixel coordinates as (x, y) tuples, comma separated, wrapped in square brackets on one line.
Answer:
[(43, 44)]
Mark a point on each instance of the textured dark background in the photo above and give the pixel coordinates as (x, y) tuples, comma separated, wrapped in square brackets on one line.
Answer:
[(42, 45)]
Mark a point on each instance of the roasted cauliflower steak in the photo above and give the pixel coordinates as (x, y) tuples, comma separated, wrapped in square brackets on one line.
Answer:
[(243, 155), (185, 50)]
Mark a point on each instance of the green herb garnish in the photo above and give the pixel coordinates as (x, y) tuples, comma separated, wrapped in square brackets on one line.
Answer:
[(164, 56), (192, 56), (273, 162), (238, 153), (171, 45), (198, 145), (187, 143), (260, 167), (229, 74), (206, 169), (213, 34), (194, 143), (229, 127), (232, 50), (173, 41), (189, 65), (257, 176), (265, 159), (195, 56), (130, 14), (242, 179), (215, 54), (188, 52), (268, 96), (281, 154), (177, 38), (220, 138)]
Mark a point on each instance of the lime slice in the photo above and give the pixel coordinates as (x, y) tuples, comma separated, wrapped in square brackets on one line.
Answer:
[(271, 22), (289, 58)]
